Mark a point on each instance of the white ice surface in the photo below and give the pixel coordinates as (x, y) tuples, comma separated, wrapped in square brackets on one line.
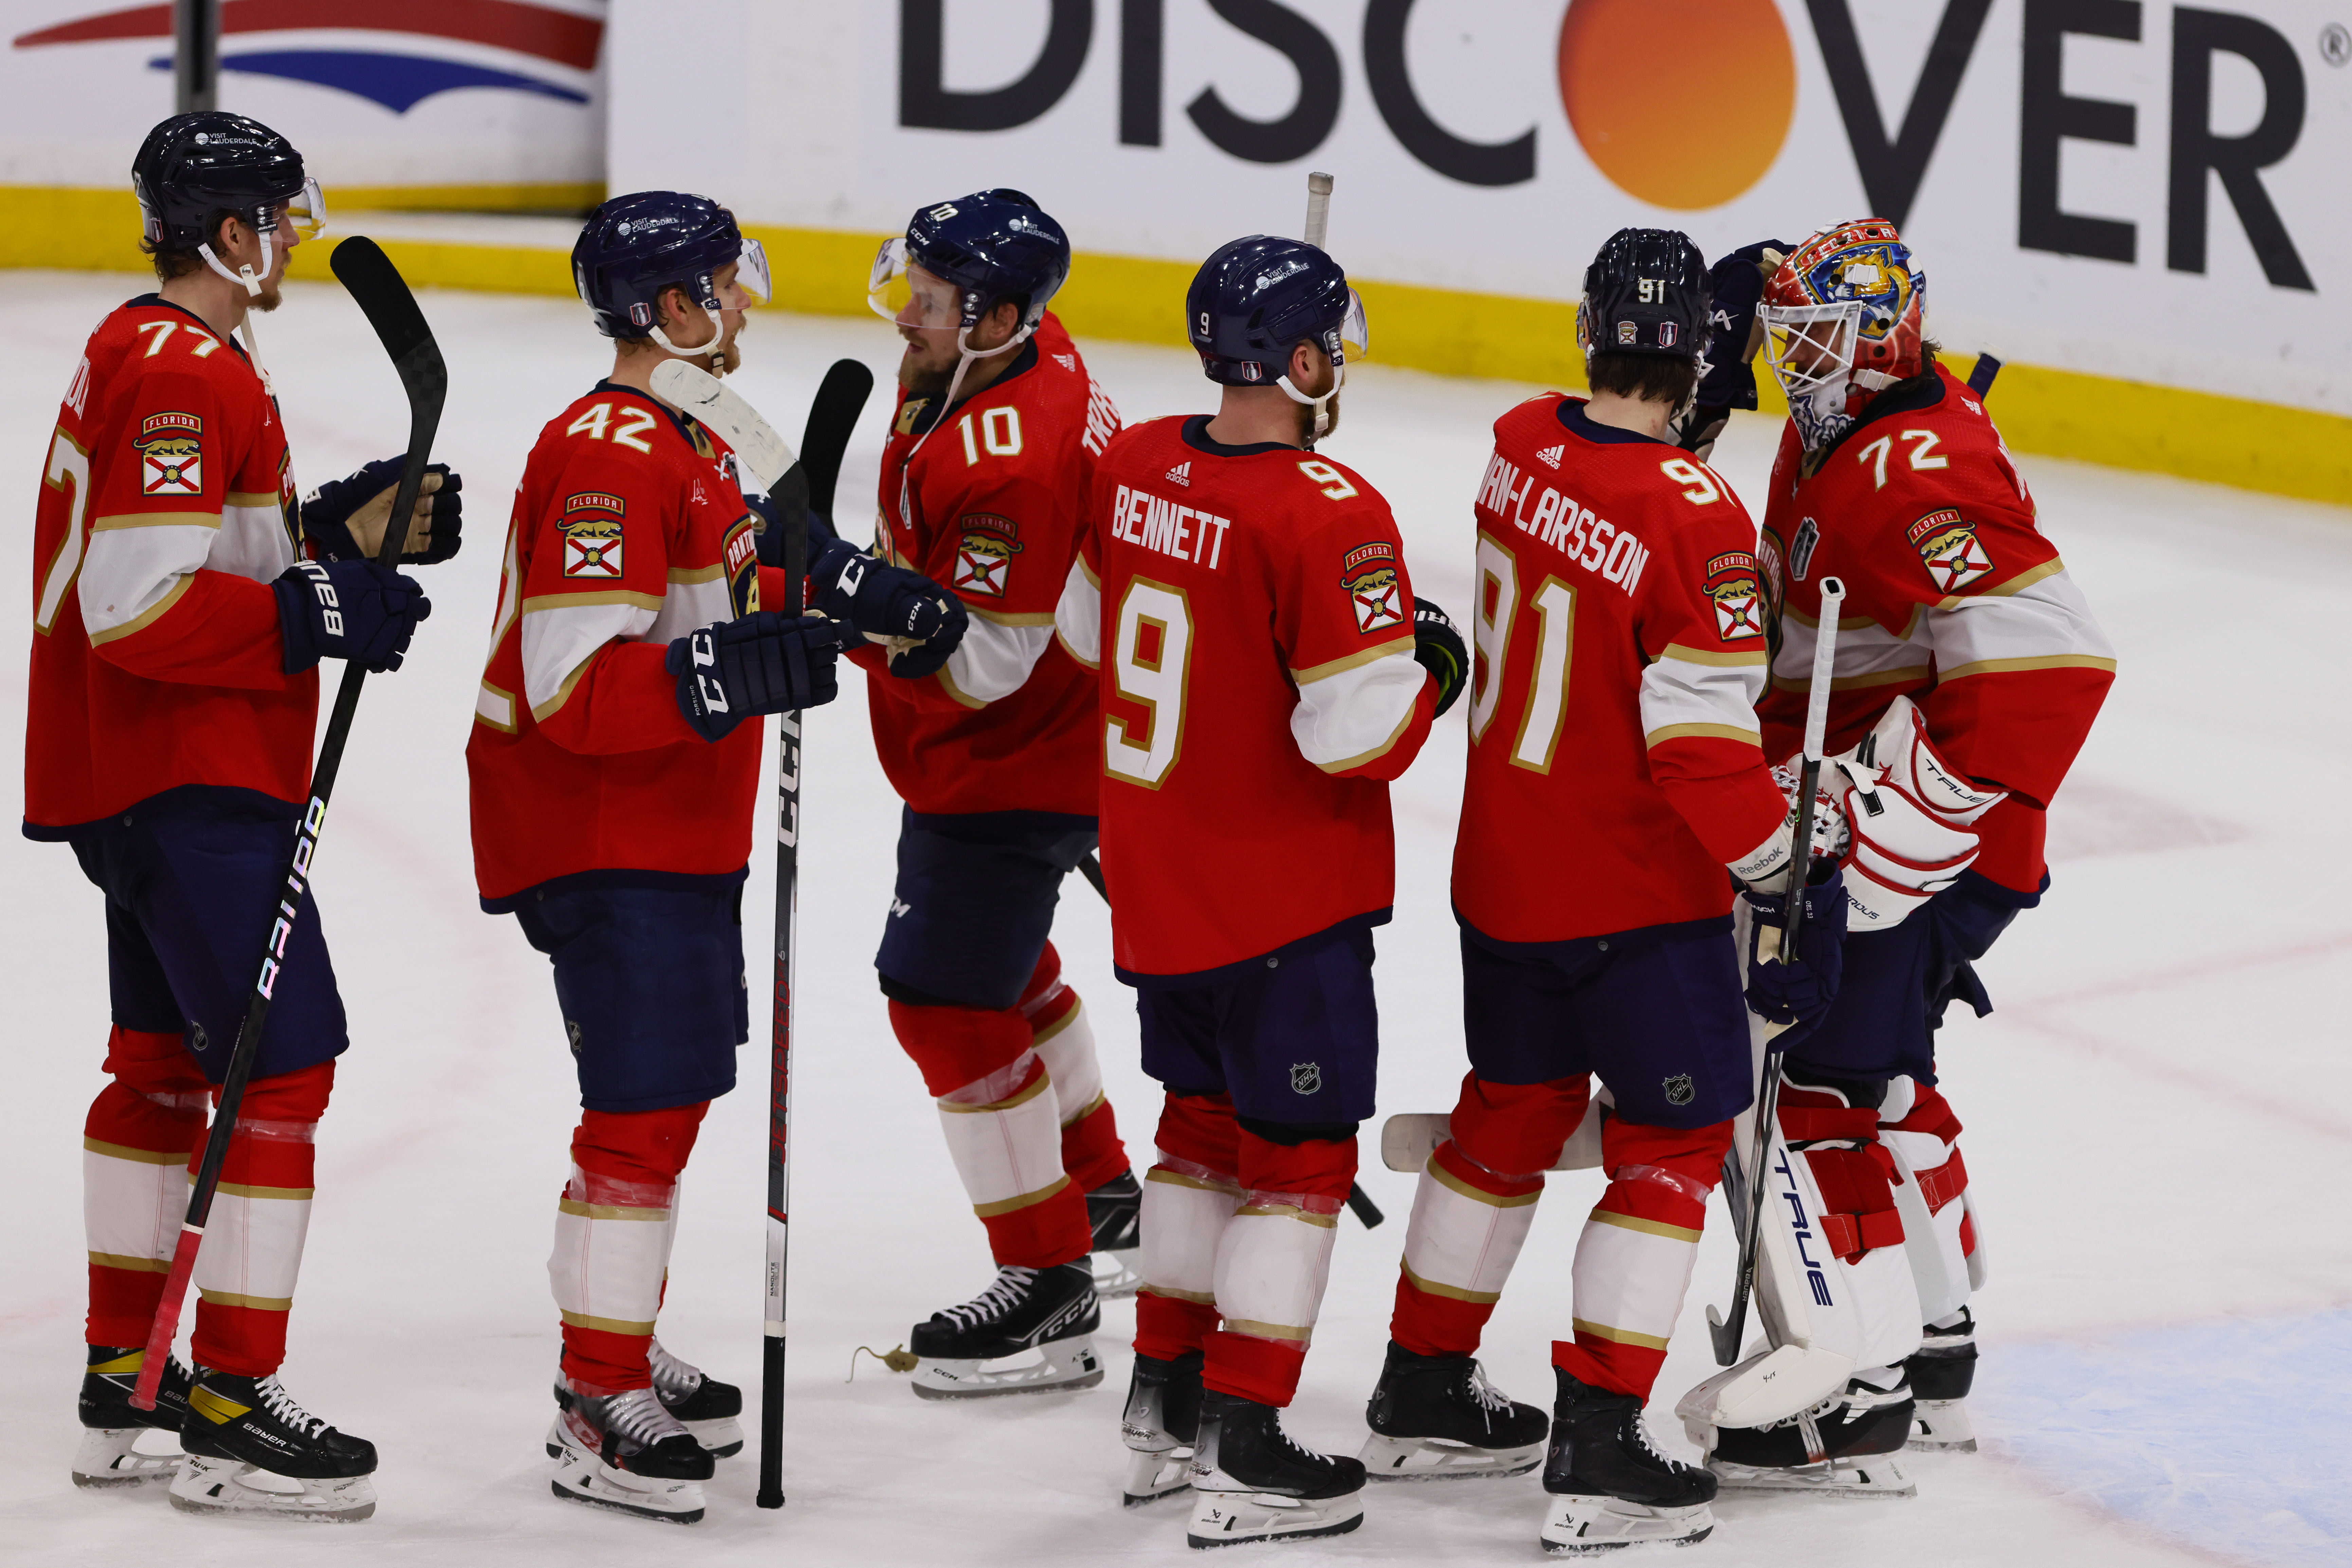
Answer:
[(2160, 1117)]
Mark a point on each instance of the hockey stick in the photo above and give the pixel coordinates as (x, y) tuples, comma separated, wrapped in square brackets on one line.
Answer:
[(1727, 1333), (1359, 1202), (1319, 208), (1980, 378), (368, 275)]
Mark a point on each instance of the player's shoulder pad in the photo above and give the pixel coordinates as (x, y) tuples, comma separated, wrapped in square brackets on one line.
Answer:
[(1529, 415)]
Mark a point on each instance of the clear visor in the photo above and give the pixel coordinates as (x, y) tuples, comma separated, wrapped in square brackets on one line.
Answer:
[(308, 212), (906, 296), (1809, 345), (1355, 335), (751, 272)]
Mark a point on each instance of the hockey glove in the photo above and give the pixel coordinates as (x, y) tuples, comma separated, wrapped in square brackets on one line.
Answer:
[(1735, 286), (353, 609), (786, 500), (1437, 648), (764, 663), (1912, 816), (1796, 988), (344, 518)]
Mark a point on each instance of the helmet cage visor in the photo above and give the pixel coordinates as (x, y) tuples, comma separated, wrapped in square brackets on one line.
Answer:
[(906, 296), (1355, 332), (306, 210), (1811, 346), (751, 275)]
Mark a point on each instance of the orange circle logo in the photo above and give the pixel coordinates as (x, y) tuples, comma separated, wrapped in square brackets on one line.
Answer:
[(1683, 103)]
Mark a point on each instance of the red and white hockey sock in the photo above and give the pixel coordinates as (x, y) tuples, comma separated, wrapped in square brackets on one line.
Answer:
[(1004, 1127), (1188, 1197), (1634, 1262), (1274, 1260), (137, 1145), (252, 1251), (613, 1232), (1059, 1033), (1474, 1205)]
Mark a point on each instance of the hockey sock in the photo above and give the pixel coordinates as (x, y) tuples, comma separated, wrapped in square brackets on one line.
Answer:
[(136, 1144), (1188, 1195), (252, 1249), (1471, 1213), (613, 1232), (1061, 1035), (1634, 1262), (1274, 1260), (1004, 1127)]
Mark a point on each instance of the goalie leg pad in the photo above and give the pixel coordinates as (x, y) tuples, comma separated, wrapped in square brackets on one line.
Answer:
[(1634, 1259)]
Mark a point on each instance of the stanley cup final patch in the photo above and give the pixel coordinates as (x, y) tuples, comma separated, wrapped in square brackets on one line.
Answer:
[(1739, 598), (592, 534), (984, 555), (1955, 556), (171, 453), (1369, 576)]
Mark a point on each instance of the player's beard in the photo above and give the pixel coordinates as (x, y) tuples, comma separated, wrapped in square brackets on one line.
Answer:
[(269, 299), (728, 357), (923, 375), (1307, 421)]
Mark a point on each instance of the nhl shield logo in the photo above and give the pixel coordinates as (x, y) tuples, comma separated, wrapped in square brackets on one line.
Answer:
[(1679, 1089), (1306, 1077)]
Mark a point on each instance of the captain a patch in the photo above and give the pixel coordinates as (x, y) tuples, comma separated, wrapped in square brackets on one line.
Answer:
[(592, 534), (172, 454), (984, 554), (1369, 576), (1953, 554), (1737, 597)]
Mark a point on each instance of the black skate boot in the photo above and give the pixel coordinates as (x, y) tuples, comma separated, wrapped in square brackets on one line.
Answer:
[(626, 1451), (1115, 1209), (1050, 1310), (111, 1425), (237, 1427), (1251, 1482), (1940, 1376), (1836, 1449), (704, 1405), (1162, 1424), (1436, 1417), (1610, 1485)]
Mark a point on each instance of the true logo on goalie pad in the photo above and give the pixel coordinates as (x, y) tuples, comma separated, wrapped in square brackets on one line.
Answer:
[(592, 534), (1953, 554), (984, 558), (1369, 576), (171, 449)]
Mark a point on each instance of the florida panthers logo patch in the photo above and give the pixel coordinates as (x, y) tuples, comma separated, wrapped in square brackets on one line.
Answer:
[(592, 534), (1369, 576), (742, 562), (1954, 556), (984, 555), (1739, 598), (171, 445)]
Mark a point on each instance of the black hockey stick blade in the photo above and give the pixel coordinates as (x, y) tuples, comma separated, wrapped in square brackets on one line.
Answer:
[(832, 420), (1980, 378), (1091, 868), (383, 297)]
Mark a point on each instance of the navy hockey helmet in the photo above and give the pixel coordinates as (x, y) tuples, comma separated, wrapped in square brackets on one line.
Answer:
[(1645, 293), (1256, 298), (635, 246), (193, 166), (987, 247)]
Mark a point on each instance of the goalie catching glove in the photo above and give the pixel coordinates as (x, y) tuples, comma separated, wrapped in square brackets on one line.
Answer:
[(764, 662)]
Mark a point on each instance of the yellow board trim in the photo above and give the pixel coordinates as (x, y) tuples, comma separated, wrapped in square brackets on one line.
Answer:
[(2271, 447)]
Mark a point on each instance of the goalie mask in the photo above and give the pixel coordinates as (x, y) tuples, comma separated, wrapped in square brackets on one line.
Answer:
[(1845, 318)]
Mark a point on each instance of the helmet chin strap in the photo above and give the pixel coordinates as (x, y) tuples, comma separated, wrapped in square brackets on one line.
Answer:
[(709, 348), (1321, 405), (251, 281), (966, 354)]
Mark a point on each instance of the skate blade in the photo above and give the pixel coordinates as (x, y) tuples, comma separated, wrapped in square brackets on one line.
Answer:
[(584, 1478), (1581, 1523), (1237, 1517), (1941, 1426), (1432, 1459), (1063, 1364), (1875, 1476), (722, 1437), (1116, 1276), (110, 1458), (207, 1485), (1153, 1476)]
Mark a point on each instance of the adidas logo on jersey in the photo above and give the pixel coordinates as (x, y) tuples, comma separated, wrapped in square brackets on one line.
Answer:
[(1068, 362), (1182, 474), (1550, 456)]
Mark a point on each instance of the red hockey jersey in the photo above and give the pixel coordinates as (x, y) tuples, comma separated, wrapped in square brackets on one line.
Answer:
[(985, 500), (1954, 598), (629, 530), (1252, 617), (165, 508), (1619, 635)]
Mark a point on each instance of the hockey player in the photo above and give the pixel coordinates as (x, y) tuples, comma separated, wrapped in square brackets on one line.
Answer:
[(178, 624), (992, 749), (1969, 669), (1598, 815), (613, 786), (1264, 672)]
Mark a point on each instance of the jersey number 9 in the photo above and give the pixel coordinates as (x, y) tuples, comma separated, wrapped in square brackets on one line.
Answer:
[(1151, 654)]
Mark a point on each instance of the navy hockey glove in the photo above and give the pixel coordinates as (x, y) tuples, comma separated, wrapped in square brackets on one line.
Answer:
[(1798, 988), (766, 662), (1437, 648), (329, 511), (353, 609), (884, 601), (1735, 286), (786, 500)]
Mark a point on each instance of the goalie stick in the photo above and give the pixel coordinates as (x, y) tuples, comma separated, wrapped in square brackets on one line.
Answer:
[(375, 285)]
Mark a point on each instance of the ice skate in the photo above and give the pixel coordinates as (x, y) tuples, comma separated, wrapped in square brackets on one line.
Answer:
[(1048, 1313), (627, 1451), (1115, 1209), (1940, 1377), (1162, 1422), (1839, 1447), (252, 1449), (1436, 1417), (703, 1406), (1251, 1482), (112, 1426), (1610, 1486)]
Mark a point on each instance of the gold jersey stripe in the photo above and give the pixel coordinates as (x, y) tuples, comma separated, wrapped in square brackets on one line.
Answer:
[(1295, 1334), (253, 1304), (1447, 1179), (1646, 1227), (145, 1157), (1452, 1293), (1706, 656), (1088, 1109), (147, 617), (157, 521), (604, 1325), (281, 1194), (2012, 666), (1658, 737), (1618, 1337), (1326, 670), (135, 1265), (1169, 1291)]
